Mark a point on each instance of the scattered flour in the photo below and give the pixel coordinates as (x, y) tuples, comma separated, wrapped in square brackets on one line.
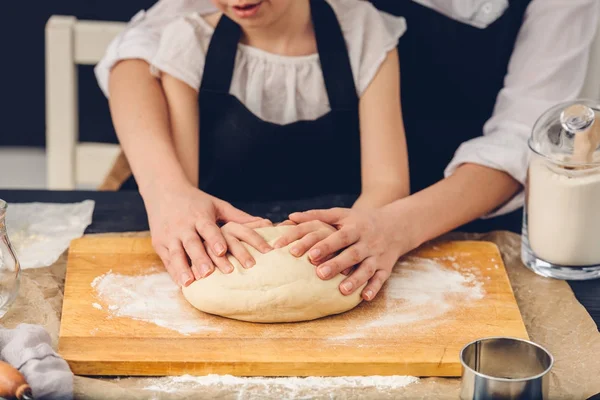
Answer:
[(421, 290), (279, 387), (418, 291), (151, 298)]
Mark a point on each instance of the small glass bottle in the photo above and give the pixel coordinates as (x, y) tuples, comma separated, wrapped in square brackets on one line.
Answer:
[(561, 220), (9, 266)]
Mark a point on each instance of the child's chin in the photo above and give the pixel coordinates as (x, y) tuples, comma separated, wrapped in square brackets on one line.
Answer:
[(260, 19)]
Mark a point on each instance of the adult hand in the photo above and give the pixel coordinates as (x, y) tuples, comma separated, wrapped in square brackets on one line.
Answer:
[(180, 217), (371, 239)]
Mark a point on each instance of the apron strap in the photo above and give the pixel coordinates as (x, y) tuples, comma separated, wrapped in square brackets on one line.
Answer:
[(333, 54), (220, 57), (331, 45)]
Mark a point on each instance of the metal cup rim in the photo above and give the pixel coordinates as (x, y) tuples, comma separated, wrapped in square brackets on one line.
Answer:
[(493, 378)]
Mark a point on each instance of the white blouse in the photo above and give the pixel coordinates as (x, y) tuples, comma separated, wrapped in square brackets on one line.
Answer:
[(281, 89), (548, 65)]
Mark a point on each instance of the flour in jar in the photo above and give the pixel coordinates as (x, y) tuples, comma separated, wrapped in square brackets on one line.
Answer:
[(563, 214)]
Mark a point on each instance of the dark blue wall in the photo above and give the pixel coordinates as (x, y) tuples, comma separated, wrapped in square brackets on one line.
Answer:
[(22, 69)]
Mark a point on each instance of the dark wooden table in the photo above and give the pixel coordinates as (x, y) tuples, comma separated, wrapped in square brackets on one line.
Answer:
[(124, 212)]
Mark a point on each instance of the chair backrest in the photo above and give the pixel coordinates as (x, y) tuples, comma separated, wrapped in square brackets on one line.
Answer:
[(69, 42)]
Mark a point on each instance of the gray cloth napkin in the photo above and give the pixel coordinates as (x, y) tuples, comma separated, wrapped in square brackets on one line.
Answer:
[(28, 348)]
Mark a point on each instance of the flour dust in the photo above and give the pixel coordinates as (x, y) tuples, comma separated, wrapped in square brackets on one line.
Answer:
[(420, 290), (151, 298), (279, 388), (417, 294)]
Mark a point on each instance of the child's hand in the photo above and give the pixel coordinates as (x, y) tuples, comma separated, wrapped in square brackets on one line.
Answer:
[(306, 235), (234, 235), (181, 217)]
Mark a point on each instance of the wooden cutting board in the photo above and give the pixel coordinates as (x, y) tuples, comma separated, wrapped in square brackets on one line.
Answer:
[(417, 326)]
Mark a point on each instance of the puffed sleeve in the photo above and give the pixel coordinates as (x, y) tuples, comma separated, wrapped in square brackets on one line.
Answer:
[(182, 50), (141, 37), (370, 35)]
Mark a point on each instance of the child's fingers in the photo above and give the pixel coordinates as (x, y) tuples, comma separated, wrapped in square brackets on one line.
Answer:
[(365, 271), (239, 252), (297, 232), (287, 222), (262, 223), (211, 233), (178, 266), (301, 246), (346, 271), (375, 284), (249, 236), (222, 262), (201, 262)]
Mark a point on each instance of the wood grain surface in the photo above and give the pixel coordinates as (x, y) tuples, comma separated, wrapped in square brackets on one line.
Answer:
[(388, 336)]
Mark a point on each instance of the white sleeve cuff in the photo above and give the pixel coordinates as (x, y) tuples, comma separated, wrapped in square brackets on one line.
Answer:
[(503, 151)]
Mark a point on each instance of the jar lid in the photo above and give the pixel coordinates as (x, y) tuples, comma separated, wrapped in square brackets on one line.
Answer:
[(569, 133)]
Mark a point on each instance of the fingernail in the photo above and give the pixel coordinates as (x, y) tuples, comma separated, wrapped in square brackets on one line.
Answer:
[(219, 248), (295, 251), (347, 286), (267, 249), (369, 294), (196, 271), (325, 271), (228, 269), (249, 264), (187, 279), (204, 270), (315, 253)]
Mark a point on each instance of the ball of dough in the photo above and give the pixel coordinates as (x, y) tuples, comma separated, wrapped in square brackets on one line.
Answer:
[(279, 288)]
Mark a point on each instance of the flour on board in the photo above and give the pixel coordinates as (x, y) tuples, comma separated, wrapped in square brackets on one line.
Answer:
[(421, 290), (418, 292), (151, 298)]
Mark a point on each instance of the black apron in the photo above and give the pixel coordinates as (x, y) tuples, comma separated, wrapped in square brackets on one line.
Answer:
[(451, 74), (246, 159)]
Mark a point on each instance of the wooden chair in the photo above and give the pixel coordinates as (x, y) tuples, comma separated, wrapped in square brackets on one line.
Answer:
[(70, 163)]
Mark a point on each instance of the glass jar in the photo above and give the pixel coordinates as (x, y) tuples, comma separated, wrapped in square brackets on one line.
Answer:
[(561, 220), (9, 266)]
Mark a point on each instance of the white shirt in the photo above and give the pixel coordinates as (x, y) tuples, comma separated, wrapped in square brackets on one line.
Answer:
[(548, 65), (281, 89)]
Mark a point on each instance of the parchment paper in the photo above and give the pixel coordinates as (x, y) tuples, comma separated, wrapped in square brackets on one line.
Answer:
[(41, 232), (553, 316)]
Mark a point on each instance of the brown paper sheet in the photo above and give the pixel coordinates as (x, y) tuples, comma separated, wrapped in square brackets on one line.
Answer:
[(553, 316)]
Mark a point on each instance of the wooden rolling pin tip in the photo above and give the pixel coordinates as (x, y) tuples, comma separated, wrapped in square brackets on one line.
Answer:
[(24, 393), (13, 384)]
